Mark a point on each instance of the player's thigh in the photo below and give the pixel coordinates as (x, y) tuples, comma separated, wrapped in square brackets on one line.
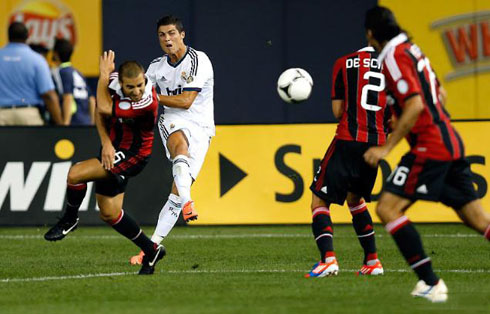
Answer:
[(354, 198), (110, 206), (178, 144), (175, 135), (87, 170), (331, 181), (198, 148), (475, 216), (391, 206), (458, 189)]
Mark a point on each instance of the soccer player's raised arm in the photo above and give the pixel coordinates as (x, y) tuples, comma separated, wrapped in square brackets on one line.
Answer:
[(106, 67)]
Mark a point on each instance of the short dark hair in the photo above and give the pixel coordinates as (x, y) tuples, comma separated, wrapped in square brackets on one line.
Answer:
[(381, 21), (63, 48), (18, 32), (130, 69), (171, 20), (39, 48)]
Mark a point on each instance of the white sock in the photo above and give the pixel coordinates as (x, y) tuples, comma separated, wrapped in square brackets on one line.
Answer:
[(371, 262), (330, 259), (167, 218), (182, 177)]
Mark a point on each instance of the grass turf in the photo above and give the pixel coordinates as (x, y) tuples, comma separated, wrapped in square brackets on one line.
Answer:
[(246, 269)]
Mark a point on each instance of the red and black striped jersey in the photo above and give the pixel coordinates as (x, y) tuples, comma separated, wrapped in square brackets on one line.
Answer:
[(408, 73), (358, 81), (132, 124)]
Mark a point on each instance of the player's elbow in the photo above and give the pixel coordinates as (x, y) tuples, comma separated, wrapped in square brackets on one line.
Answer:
[(104, 108), (187, 103)]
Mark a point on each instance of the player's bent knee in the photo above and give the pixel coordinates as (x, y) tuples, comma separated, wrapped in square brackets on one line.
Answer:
[(73, 175), (107, 217)]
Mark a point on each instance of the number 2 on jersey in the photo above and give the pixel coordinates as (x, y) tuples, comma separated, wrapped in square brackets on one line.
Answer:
[(372, 87)]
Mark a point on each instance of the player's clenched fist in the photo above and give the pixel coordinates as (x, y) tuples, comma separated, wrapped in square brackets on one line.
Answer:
[(374, 154)]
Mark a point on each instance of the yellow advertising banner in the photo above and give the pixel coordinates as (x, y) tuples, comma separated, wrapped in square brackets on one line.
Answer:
[(261, 174), (455, 35), (78, 21)]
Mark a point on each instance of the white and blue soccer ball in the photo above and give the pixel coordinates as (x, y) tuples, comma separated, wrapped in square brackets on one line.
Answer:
[(294, 85)]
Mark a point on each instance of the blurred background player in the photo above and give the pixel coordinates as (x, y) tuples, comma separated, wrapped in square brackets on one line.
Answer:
[(435, 168), (359, 102), (185, 78), (77, 101), (125, 118), (26, 87)]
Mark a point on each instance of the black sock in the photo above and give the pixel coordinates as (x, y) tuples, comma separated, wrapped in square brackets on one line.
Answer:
[(74, 198), (410, 245), (126, 226), (363, 225), (323, 232)]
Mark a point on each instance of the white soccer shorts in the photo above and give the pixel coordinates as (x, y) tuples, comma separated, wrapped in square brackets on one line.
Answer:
[(197, 138)]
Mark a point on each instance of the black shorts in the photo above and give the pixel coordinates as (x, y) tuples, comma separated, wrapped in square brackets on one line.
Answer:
[(343, 170), (448, 182), (126, 165)]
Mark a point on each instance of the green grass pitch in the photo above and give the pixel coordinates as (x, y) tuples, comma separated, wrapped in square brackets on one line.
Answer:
[(245, 269)]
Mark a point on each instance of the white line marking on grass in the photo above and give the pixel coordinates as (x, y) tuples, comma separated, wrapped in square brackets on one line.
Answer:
[(64, 277), (223, 271), (228, 236)]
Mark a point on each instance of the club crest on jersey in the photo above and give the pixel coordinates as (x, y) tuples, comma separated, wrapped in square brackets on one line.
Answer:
[(124, 105), (187, 78), (172, 125)]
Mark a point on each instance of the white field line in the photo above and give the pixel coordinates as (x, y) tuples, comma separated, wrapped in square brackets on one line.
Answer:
[(228, 236), (223, 271)]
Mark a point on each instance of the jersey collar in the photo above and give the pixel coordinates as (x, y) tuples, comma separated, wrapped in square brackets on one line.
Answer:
[(174, 65), (65, 64), (395, 41), (368, 48)]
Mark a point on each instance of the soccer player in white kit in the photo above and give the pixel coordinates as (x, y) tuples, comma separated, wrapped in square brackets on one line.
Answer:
[(185, 79)]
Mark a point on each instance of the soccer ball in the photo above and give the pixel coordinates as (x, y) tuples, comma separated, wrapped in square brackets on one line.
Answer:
[(294, 85)]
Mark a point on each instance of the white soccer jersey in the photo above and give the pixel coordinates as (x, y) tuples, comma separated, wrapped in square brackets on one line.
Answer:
[(194, 72)]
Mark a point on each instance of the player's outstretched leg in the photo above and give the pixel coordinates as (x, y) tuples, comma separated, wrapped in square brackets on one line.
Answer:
[(323, 232), (69, 222), (126, 226), (390, 211), (166, 221), (476, 217), (363, 225), (183, 181)]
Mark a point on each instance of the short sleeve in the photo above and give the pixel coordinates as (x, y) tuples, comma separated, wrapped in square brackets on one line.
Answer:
[(338, 86), (201, 71), (66, 75), (402, 78), (151, 72), (44, 82)]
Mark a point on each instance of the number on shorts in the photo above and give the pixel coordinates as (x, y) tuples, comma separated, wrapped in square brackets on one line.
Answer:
[(399, 175), (118, 157), (372, 87)]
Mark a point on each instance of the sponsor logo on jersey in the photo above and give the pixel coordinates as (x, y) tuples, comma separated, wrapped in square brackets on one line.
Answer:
[(124, 105), (467, 41), (45, 20)]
